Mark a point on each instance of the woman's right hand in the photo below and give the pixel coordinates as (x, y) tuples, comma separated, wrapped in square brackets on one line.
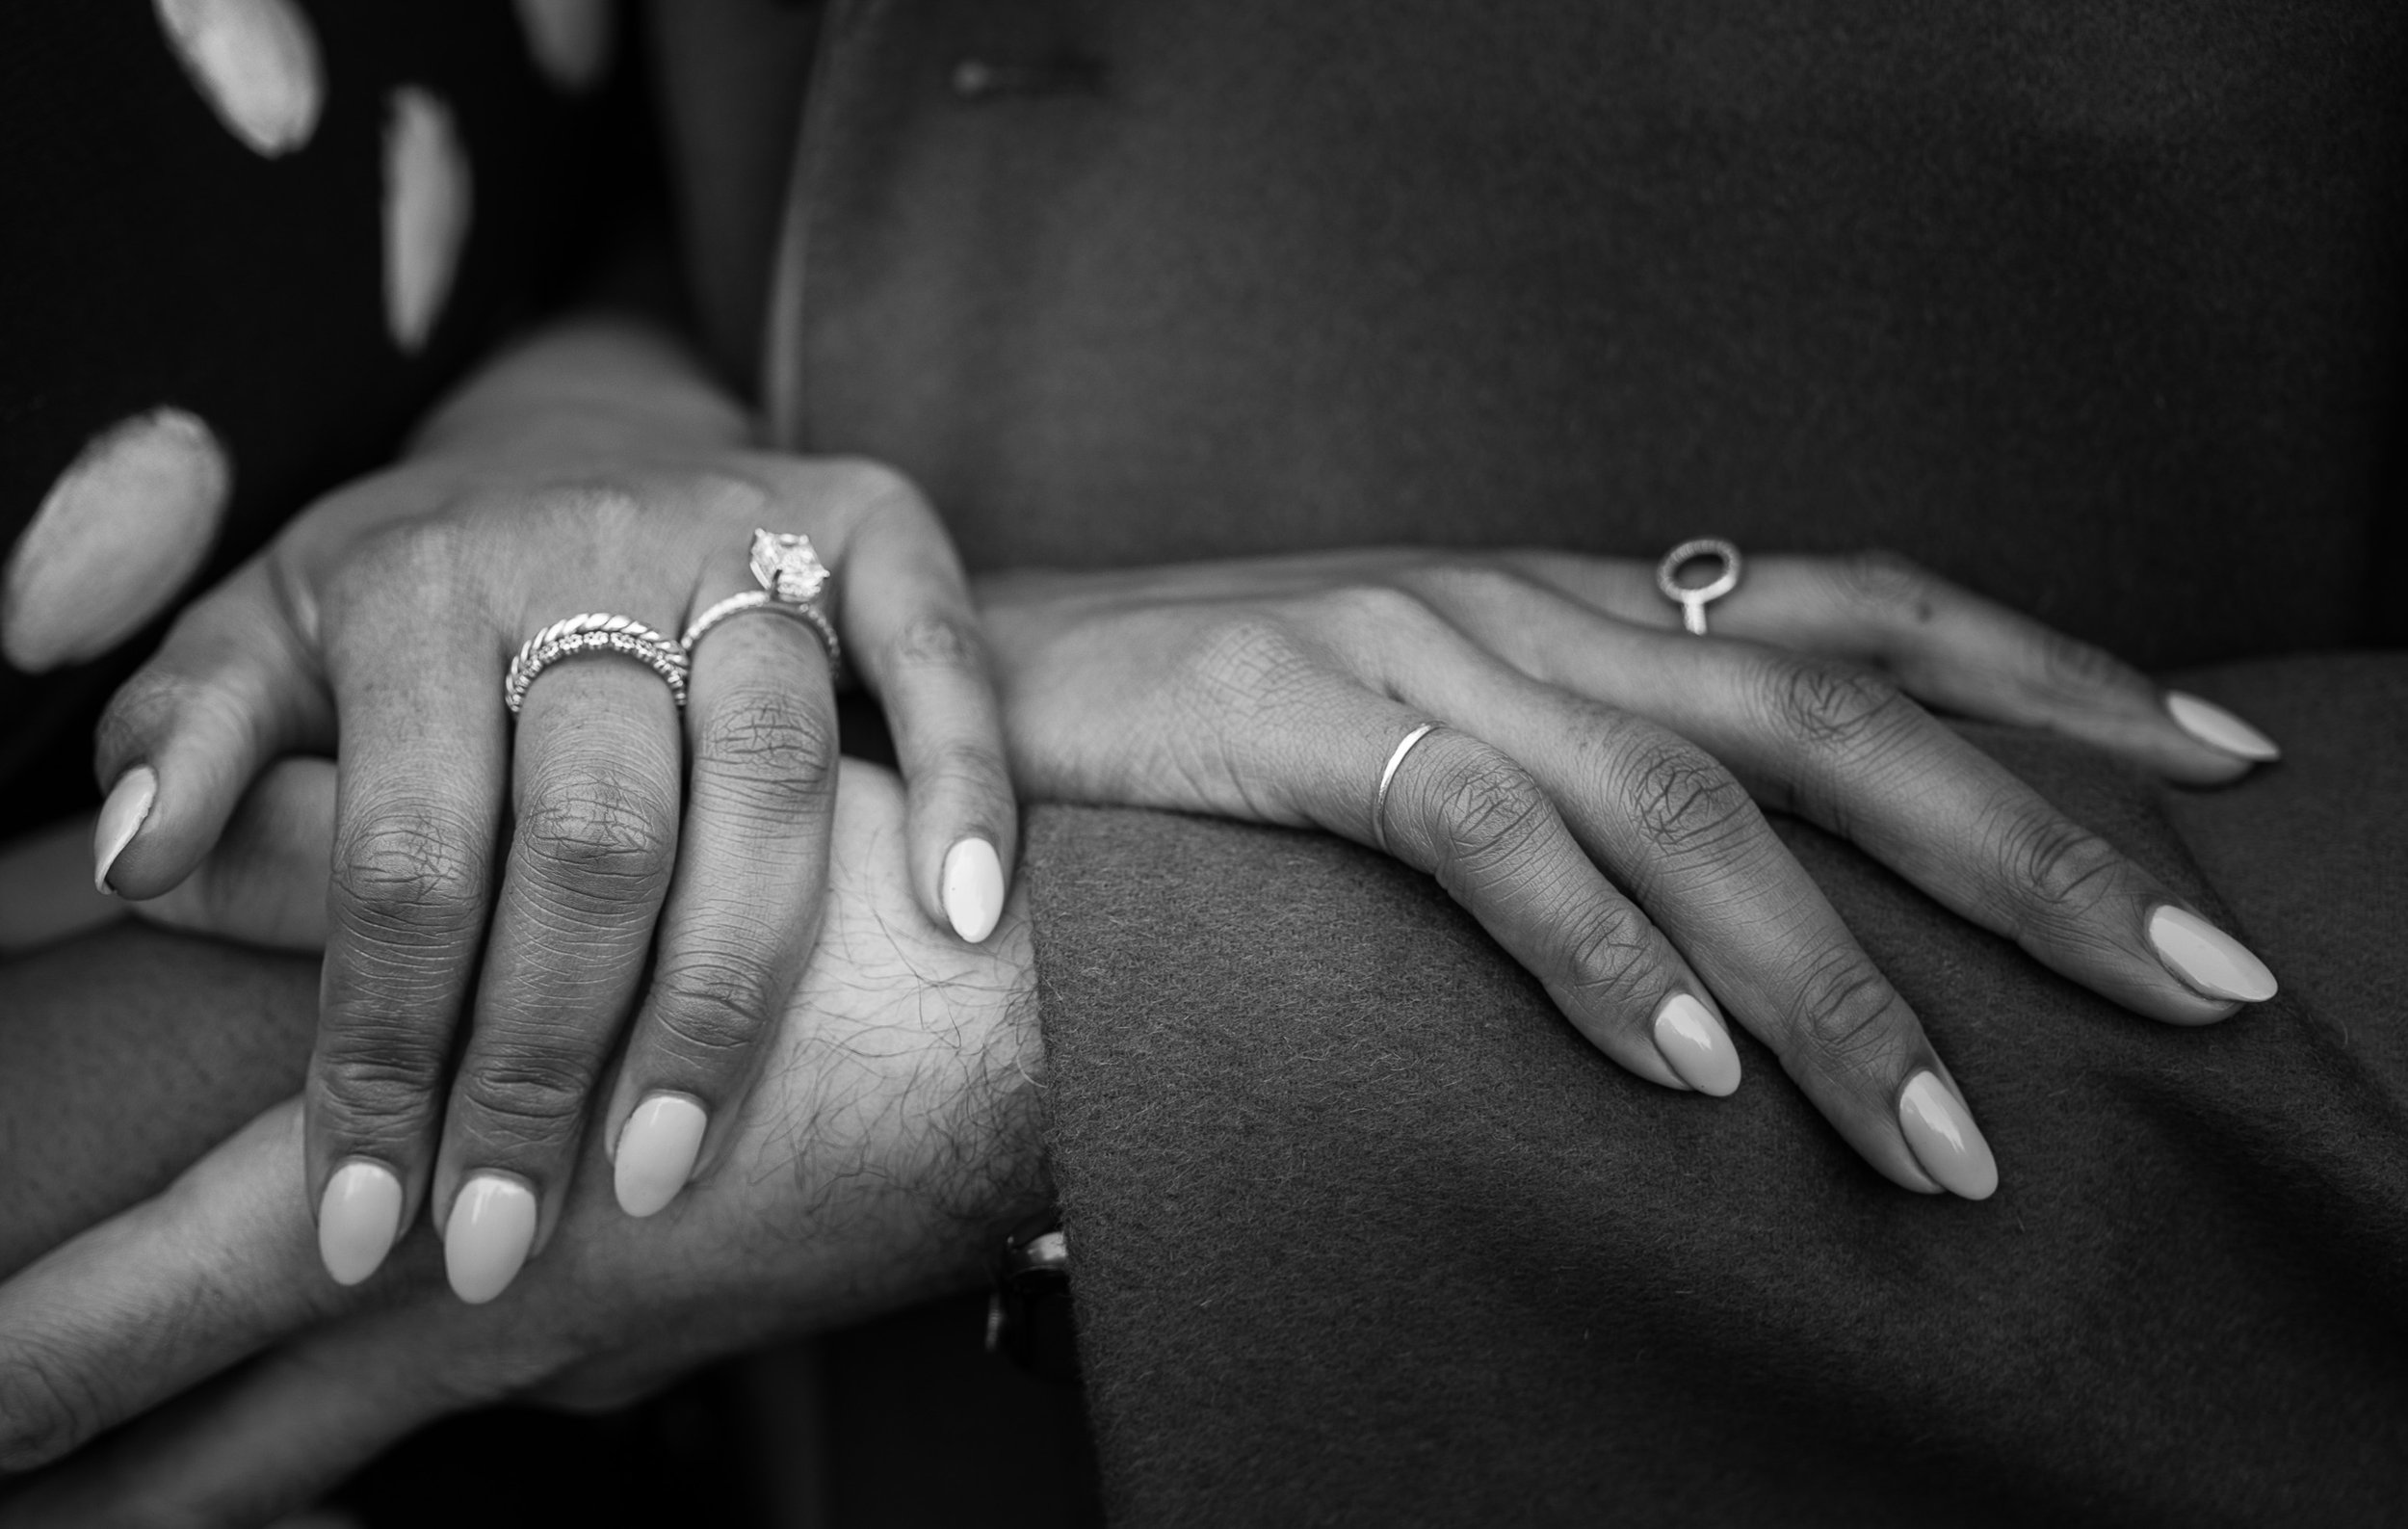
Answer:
[(1591, 795)]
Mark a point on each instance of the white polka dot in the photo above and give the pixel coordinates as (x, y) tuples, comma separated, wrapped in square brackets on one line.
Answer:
[(571, 39), (123, 529), (426, 213), (257, 63)]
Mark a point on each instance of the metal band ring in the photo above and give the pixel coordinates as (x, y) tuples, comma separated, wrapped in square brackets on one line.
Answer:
[(763, 601), (1387, 778), (1693, 601), (595, 632)]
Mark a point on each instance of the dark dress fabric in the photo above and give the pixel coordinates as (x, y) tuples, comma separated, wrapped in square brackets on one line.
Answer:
[(150, 257), (2095, 308)]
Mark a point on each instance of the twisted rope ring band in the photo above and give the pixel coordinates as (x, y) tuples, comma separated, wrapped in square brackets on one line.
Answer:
[(765, 600), (595, 632)]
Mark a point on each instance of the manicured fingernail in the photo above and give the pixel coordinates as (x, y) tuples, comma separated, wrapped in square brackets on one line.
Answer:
[(1695, 1045), (357, 1220), (1942, 1134), (657, 1152), (973, 888), (121, 819), (2207, 958), (492, 1226), (2211, 725)]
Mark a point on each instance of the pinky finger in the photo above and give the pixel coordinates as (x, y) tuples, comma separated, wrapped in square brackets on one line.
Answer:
[(920, 647)]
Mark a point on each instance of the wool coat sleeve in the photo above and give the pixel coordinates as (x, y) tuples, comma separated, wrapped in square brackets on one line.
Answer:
[(1362, 1232)]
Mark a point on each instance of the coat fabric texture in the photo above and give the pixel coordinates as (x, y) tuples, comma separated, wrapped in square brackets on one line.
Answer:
[(2094, 309)]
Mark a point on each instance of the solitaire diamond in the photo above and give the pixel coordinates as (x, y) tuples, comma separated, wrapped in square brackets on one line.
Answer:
[(787, 567)]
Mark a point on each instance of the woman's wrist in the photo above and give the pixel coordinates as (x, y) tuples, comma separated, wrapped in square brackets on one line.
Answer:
[(593, 385)]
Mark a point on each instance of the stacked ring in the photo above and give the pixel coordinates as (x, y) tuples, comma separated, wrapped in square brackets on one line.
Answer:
[(595, 632)]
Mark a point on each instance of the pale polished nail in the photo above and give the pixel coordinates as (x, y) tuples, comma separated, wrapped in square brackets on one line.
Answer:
[(2207, 958), (973, 888), (486, 1240), (657, 1152), (121, 819), (359, 1217), (1695, 1045), (1941, 1132), (2211, 725)]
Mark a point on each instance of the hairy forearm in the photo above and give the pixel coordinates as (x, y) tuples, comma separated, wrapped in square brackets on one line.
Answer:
[(124, 1055)]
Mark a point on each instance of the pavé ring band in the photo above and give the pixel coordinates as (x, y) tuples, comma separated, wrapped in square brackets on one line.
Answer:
[(595, 632), (792, 577)]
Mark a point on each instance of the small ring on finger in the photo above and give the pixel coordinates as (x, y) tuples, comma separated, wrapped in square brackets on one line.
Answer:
[(1692, 599), (1388, 776), (595, 632)]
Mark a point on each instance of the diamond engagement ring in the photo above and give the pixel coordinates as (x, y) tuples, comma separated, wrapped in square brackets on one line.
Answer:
[(792, 577), (595, 632), (1693, 598)]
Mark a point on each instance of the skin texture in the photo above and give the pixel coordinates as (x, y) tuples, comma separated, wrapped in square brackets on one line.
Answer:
[(556, 885), (1592, 796), (893, 1134)]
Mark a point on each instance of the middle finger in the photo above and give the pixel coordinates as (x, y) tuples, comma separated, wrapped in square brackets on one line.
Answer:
[(596, 771)]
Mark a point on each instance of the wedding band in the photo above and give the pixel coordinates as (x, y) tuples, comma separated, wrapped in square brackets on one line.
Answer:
[(595, 632), (1387, 778), (791, 576), (1693, 600)]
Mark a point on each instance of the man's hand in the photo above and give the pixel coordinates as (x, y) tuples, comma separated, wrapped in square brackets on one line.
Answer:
[(895, 1128)]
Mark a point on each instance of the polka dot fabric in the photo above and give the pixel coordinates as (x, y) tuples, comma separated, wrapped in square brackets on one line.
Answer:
[(201, 230)]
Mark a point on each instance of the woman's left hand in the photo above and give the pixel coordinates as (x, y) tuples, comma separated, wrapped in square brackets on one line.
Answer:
[(894, 1134), (606, 856)]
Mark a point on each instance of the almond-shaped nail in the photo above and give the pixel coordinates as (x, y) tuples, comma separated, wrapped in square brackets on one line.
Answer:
[(2207, 958), (359, 1217), (973, 889), (1695, 1045), (1944, 1139), (2211, 725), (657, 1152), (121, 819), (487, 1238)]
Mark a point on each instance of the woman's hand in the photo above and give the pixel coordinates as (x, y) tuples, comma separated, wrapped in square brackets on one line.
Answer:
[(1591, 795), (609, 855), (892, 1136)]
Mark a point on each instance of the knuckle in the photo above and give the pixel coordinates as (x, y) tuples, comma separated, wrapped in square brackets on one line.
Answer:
[(1493, 813), (1880, 584), (774, 741), (1836, 707), (1374, 613), (1845, 1015), (414, 874), (710, 1009), (2069, 669), (378, 1075), (1682, 799), (1254, 665), (601, 832), (938, 640), (2052, 865), (1609, 953), (43, 1411), (528, 1087)]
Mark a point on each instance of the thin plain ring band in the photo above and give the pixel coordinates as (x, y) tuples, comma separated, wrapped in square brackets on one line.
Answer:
[(1387, 778), (1693, 601), (764, 600), (595, 632)]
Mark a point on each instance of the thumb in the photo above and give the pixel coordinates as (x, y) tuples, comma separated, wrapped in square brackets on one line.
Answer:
[(232, 687), (265, 882)]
